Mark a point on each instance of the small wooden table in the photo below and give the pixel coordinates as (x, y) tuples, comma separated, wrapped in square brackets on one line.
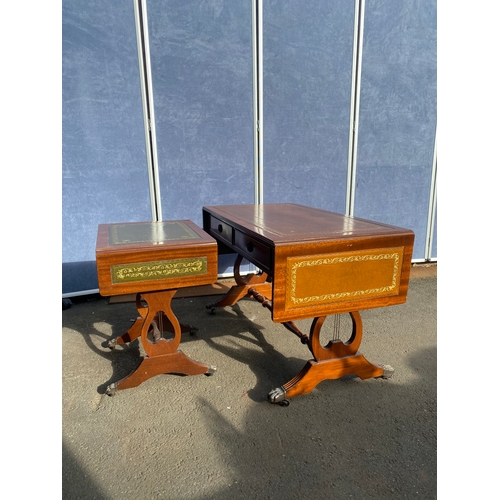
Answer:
[(314, 263), (153, 260)]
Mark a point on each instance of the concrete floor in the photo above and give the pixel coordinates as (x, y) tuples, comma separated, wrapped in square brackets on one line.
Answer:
[(217, 437)]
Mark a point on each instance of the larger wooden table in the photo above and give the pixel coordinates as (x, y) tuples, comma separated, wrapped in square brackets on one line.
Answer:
[(153, 260), (314, 264)]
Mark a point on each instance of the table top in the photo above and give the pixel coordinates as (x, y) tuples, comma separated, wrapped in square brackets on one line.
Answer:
[(320, 262), (289, 222), (127, 236)]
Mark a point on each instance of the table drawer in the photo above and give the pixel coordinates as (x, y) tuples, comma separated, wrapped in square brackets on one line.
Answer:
[(254, 250), (221, 229)]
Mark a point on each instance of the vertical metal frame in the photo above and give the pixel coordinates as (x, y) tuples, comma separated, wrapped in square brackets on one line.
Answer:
[(432, 206), (359, 16), (258, 115), (258, 101), (141, 26)]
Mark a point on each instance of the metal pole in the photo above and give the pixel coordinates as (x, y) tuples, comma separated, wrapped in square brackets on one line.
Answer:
[(141, 25), (432, 205), (359, 16), (258, 101)]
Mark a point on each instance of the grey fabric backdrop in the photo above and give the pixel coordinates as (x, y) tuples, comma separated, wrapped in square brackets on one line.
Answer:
[(201, 61)]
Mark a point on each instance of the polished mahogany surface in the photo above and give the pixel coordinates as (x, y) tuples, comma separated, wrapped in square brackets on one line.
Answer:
[(289, 222), (319, 262), (138, 257)]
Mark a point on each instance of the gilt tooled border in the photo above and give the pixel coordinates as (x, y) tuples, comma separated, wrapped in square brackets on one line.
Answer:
[(145, 271), (340, 260)]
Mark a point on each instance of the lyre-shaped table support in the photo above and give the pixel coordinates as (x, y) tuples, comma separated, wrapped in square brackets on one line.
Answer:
[(162, 354), (243, 285), (335, 360)]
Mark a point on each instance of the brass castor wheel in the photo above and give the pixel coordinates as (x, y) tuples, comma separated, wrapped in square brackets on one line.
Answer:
[(111, 390), (211, 308), (211, 371), (388, 371), (278, 396), (111, 344)]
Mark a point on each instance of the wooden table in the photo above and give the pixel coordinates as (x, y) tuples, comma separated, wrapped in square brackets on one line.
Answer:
[(314, 264), (153, 260)]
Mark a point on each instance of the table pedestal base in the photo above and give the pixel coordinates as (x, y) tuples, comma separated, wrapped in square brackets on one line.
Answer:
[(315, 372), (160, 334), (243, 285), (177, 363), (333, 361)]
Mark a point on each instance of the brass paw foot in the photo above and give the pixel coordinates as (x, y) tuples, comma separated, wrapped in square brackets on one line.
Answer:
[(388, 371), (111, 389), (278, 396), (111, 344), (211, 371)]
